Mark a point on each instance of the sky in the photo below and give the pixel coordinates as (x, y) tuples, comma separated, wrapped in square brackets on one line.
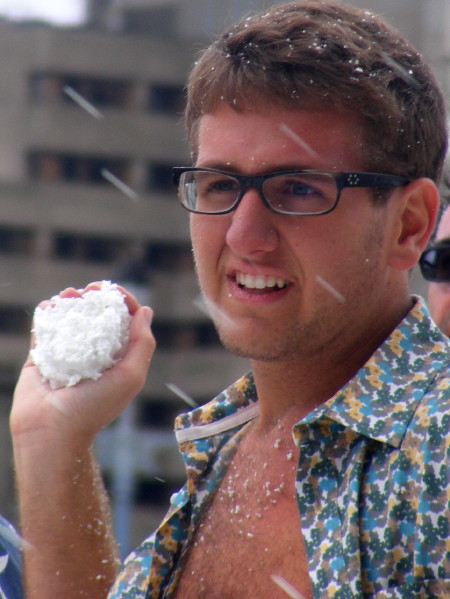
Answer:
[(59, 12)]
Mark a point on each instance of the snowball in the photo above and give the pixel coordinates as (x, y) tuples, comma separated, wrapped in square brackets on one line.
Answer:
[(78, 338)]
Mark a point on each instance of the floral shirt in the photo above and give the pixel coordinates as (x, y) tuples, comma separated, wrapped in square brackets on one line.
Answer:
[(373, 479)]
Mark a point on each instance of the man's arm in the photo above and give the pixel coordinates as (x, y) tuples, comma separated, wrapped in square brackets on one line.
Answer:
[(69, 550)]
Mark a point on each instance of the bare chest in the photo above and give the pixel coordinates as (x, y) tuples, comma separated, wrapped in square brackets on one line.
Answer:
[(249, 538)]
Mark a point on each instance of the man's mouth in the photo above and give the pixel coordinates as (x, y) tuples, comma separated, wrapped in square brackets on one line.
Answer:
[(260, 282)]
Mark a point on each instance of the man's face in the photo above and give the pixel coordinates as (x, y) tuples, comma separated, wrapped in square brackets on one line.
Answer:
[(282, 287), (439, 293)]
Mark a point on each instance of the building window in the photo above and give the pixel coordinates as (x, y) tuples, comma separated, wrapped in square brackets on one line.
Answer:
[(16, 241), (158, 413), (166, 98), (68, 246), (154, 492), (15, 320), (169, 256), (182, 337), (51, 166), (100, 92), (8, 379), (45, 86), (160, 177), (150, 20)]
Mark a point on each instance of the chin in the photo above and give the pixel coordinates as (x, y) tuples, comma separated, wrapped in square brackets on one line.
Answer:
[(238, 344), (255, 349)]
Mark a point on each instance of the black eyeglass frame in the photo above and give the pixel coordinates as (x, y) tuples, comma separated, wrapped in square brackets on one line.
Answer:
[(430, 263), (342, 179)]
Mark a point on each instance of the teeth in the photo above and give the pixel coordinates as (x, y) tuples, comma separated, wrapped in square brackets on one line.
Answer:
[(259, 281)]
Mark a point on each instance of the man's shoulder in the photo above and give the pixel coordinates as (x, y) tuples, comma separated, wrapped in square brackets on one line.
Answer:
[(429, 426)]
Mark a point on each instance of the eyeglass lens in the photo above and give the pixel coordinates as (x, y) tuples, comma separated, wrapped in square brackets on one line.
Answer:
[(435, 264), (305, 193)]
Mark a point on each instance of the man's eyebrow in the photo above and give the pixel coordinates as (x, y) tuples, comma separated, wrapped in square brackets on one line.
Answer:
[(218, 166), (266, 168)]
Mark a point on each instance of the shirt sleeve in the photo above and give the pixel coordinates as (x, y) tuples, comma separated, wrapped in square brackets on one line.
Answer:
[(132, 581)]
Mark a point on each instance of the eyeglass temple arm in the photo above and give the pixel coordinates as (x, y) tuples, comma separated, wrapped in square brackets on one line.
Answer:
[(370, 180)]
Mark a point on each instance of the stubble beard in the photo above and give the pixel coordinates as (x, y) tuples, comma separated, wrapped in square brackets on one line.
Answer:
[(328, 332), (294, 343)]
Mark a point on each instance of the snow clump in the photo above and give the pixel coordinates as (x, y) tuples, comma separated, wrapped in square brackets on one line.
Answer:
[(78, 338)]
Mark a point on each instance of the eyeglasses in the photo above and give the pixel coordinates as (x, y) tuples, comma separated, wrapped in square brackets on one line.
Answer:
[(435, 263), (296, 193)]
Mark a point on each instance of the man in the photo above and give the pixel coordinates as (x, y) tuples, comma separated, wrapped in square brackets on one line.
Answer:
[(318, 136), (435, 267)]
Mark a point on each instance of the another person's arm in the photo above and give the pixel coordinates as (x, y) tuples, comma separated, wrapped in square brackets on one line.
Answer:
[(65, 521)]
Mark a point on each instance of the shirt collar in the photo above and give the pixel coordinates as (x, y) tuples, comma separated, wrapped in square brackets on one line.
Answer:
[(377, 402), (380, 400), (230, 409)]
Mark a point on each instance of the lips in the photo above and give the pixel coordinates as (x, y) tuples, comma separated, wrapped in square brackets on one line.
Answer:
[(260, 282)]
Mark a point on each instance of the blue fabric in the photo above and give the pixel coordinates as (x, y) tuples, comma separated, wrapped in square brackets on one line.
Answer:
[(10, 562)]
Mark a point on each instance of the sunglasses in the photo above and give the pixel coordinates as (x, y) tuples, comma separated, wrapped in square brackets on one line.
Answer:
[(435, 263)]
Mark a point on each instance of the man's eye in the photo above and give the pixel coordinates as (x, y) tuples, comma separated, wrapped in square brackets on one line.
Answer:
[(222, 185), (299, 188)]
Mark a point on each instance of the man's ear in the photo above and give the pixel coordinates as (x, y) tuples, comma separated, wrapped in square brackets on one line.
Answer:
[(416, 217)]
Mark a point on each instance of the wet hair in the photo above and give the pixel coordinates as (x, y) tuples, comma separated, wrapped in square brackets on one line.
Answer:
[(312, 54)]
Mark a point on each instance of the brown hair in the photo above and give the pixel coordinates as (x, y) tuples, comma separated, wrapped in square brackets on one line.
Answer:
[(310, 53)]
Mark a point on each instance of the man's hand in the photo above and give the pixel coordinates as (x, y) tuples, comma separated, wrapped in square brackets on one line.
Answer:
[(81, 411), (70, 551)]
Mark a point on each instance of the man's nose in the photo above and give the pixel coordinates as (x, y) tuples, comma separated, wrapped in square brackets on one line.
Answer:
[(252, 228)]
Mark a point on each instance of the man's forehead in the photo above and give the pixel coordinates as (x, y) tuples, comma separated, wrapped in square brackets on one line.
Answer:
[(326, 138)]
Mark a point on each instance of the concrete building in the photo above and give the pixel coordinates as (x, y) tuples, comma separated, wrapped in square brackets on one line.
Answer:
[(90, 124)]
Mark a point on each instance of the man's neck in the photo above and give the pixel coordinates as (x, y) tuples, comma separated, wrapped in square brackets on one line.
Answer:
[(288, 390)]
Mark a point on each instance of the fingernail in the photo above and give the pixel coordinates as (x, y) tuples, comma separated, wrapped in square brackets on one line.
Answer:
[(148, 315)]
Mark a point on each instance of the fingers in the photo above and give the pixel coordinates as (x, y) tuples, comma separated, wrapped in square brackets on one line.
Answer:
[(84, 409), (141, 346), (71, 292), (130, 299)]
